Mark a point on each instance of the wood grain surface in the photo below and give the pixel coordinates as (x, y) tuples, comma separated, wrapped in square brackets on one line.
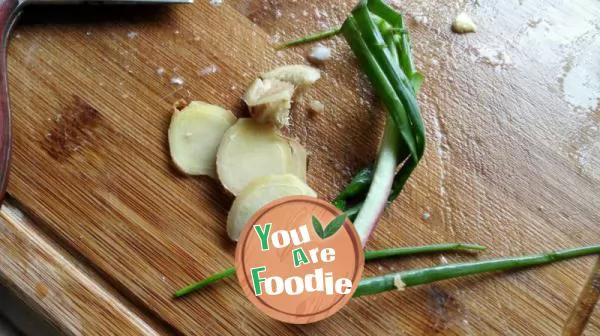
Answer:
[(54, 283), (512, 160)]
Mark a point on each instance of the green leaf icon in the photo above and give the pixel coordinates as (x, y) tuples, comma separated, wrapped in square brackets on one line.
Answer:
[(318, 227), (335, 225)]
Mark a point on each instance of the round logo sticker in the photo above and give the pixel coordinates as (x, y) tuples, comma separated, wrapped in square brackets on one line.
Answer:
[(299, 259)]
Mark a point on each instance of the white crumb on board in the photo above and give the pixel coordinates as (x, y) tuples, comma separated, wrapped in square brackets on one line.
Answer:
[(160, 71), (177, 81), (421, 19), (316, 107), (215, 3), (443, 260), (463, 24), (209, 70), (320, 13), (426, 215), (132, 34), (275, 38), (319, 54), (399, 284)]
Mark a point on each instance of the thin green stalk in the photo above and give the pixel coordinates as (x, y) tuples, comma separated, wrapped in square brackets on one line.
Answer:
[(379, 284), (199, 285), (315, 37), (369, 256), (408, 251), (308, 39)]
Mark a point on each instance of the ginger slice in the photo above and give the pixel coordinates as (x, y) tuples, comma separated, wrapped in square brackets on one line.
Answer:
[(269, 101), (195, 134), (250, 150), (269, 98), (259, 193)]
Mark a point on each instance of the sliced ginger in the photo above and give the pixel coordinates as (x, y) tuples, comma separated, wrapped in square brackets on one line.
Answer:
[(269, 98), (270, 101), (250, 150), (259, 193), (195, 134), (297, 74), (299, 160)]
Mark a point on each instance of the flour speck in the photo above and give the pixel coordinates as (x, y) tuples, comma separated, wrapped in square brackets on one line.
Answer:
[(209, 70), (177, 81)]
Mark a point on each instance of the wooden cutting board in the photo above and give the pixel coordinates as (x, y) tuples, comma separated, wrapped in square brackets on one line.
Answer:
[(512, 162)]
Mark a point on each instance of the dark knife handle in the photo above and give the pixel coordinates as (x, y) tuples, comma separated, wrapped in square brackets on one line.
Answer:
[(9, 12)]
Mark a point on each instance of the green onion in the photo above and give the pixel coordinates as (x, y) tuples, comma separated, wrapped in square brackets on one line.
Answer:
[(399, 280), (409, 251), (404, 136), (369, 256), (379, 39), (199, 285), (357, 187), (310, 38)]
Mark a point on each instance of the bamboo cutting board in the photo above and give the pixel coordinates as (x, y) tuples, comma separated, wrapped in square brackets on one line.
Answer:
[(512, 161)]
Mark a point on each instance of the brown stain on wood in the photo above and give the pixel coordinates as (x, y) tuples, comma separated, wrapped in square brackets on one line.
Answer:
[(41, 290), (73, 130), (444, 310)]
